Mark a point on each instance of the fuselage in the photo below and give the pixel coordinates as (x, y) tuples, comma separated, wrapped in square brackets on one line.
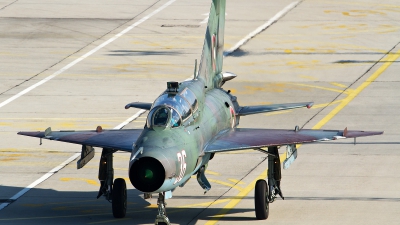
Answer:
[(169, 151)]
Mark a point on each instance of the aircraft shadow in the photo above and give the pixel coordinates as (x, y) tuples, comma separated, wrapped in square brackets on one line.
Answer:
[(363, 61), (141, 53), (239, 53), (361, 143), (48, 206)]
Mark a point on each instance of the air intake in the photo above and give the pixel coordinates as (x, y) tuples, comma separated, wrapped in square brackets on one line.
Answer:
[(147, 174)]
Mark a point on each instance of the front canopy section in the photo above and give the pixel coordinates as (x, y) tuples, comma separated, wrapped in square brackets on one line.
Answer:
[(163, 116), (172, 109)]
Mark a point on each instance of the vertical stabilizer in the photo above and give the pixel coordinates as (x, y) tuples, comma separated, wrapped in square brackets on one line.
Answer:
[(212, 56)]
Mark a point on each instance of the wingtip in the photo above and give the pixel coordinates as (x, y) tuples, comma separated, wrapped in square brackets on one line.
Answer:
[(353, 134), (377, 132), (309, 105), (29, 133)]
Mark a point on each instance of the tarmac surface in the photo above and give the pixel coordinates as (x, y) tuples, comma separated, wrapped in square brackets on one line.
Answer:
[(342, 55)]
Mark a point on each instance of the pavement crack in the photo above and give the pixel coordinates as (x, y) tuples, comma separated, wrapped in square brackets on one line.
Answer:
[(77, 51), (351, 85), (9, 4), (262, 28)]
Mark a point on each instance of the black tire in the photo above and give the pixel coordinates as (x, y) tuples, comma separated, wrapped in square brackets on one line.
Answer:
[(119, 198), (162, 223), (261, 203)]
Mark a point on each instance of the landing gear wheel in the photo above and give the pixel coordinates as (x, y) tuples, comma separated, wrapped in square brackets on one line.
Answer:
[(261, 203), (119, 198)]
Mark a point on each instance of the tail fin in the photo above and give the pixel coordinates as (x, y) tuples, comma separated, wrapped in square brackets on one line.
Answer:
[(212, 56)]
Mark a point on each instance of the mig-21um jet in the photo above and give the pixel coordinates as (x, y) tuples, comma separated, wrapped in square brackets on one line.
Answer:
[(186, 125)]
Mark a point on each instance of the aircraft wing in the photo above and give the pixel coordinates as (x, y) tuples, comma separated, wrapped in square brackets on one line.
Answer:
[(112, 139), (247, 138)]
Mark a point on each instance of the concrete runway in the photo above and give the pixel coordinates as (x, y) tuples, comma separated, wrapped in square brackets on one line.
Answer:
[(342, 55)]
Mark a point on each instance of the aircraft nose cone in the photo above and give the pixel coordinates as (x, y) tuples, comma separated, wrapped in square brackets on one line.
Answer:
[(147, 174)]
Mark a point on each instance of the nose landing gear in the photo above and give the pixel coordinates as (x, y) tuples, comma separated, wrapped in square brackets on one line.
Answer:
[(161, 218)]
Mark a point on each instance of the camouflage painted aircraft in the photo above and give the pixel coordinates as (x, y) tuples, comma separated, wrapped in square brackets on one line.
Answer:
[(186, 125)]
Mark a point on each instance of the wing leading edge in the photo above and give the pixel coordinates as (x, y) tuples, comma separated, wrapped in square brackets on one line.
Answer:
[(112, 139), (248, 110), (247, 138)]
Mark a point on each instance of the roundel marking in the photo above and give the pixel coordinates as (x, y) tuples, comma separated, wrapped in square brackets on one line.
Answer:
[(232, 111)]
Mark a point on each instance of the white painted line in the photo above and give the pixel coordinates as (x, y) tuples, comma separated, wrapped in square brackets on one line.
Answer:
[(75, 156), (262, 27), (40, 180), (130, 119), (62, 165), (206, 19), (85, 55)]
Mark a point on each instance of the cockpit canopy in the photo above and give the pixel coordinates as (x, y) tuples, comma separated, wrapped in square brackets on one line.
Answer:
[(172, 109), (163, 116)]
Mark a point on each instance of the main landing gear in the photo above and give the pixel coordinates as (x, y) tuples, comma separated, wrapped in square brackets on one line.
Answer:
[(261, 202), (266, 193), (115, 192)]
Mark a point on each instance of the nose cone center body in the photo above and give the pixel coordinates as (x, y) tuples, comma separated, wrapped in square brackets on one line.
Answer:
[(148, 174)]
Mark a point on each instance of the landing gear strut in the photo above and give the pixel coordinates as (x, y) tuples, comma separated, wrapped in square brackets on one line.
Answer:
[(274, 174), (161, 218), (266, 193), (114, 192)]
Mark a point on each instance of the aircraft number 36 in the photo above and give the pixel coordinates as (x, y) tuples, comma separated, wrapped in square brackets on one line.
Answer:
[(181, 158)]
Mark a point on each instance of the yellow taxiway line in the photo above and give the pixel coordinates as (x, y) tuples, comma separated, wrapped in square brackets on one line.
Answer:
[(389, 60)]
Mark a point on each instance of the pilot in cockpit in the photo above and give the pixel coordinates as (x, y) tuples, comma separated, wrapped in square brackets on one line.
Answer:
[(175, 119)]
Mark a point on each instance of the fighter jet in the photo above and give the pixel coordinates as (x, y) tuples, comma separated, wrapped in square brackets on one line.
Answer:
[(186, 125)]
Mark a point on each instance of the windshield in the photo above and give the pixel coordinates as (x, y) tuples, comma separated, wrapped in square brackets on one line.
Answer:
[(176, 102), (162, 116)]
